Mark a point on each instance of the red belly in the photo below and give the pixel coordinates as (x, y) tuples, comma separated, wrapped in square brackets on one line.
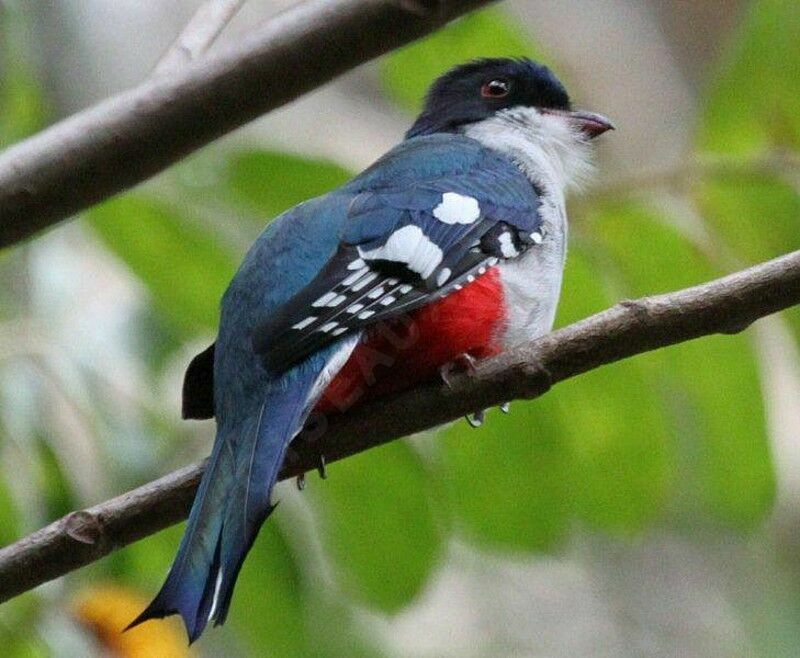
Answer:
[(398, 354)]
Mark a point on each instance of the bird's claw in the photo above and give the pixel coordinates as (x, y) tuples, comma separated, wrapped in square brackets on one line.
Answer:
[(301, 481), (462, 363), (476, 419)]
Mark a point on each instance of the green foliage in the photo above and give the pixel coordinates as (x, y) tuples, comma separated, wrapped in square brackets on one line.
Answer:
[(710, 386), (378, 525), (21, 104), (183, 266), (268, 609), (756, 216), (508, 483), (754, 103), (9, 521), (406, 73), (269, 182)]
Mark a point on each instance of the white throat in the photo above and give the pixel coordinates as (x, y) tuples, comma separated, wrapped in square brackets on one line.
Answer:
[(554, 158), (550, 151)]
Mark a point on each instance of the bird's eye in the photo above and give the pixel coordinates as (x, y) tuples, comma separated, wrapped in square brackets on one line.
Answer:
[(497, 88)]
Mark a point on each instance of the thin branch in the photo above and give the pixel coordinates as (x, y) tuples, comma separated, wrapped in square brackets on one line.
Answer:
[(687, 172), (128, 138), (727, 305), (200, 32)]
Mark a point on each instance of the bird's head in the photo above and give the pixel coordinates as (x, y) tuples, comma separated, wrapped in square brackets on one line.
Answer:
[(504, 98)]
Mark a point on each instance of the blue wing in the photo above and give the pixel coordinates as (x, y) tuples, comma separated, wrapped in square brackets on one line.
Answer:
[(430, 215)]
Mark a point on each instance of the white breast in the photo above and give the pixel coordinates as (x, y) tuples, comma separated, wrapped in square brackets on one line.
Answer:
[(553, 157), (532, 282)]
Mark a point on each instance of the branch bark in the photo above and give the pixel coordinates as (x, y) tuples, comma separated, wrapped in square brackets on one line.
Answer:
[(200, 32), (727, 305), (130, 137)]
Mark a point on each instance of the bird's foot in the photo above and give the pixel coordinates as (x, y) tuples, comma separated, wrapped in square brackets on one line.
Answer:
[(301, 481), (322, 467), (462, 363), (476, 419)]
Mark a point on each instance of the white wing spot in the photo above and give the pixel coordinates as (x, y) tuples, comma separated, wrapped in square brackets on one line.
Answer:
[(388, 300), (355, 276), (355, 308), (444, 275), (304, 323), (507, 247), (365, 315), (377, 292), (408, 245), (536, 237), (339, 331), (405, 289), (456, 208), (356, 264), (337, 300), (365, 281), (323, 301), (328, 326)]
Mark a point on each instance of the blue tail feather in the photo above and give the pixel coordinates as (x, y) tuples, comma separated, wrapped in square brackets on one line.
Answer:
[(231, 505)]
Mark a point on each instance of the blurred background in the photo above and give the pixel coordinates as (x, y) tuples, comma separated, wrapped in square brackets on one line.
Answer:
[(650, 508)]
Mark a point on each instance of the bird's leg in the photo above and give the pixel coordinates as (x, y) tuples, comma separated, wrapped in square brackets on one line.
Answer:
[(322, 467), (462, 363), (301, 481)]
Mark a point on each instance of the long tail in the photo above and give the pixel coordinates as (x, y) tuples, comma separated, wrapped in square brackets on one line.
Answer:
[(232, 503)]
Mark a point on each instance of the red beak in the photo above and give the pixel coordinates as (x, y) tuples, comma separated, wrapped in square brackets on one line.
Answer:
[(591, 123)]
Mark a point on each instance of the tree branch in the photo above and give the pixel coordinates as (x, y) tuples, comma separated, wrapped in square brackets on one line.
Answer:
[(200, 32), (128, 138), (727, 305)]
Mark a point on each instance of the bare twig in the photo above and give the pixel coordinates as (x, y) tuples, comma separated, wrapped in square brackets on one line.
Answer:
[(126, 139), (726, 305), (687, 172), (200, 32)]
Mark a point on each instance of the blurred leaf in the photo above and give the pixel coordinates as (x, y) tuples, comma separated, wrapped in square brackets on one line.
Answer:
[(711, 385), (757, 216), (336, 630), (53, 483), (378, 525), (623, 462), (21, 107), (755, 103), (508, 483), (21, 104), (9, 517), (269, 182), (20, 636), (183, 267), (595, 446), (143, 564), (268, 607), (408, 72)]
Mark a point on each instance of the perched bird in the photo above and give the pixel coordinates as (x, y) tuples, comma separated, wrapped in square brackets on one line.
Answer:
[(450, 247)]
